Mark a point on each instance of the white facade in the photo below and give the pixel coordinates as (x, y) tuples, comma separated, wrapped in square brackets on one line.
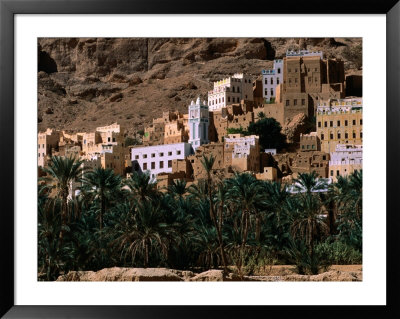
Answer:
[(271, 79), (198, 123), (158, 158), (346, 154), (302, 53), (229, 91), (339, 105), (241, 144)]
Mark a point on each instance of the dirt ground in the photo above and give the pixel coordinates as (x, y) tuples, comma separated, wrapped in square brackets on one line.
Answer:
[(283, 270)]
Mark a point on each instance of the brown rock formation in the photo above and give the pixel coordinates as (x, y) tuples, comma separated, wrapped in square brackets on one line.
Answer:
[(111, 78)]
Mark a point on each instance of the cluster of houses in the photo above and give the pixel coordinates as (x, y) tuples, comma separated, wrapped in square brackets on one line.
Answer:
[(303, 82)]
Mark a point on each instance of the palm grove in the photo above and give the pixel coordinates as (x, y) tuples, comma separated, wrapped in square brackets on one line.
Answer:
[(239, 224)]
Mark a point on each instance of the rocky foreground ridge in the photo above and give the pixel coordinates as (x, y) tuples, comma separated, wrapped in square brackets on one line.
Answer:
[(164, 274), (84, 83)]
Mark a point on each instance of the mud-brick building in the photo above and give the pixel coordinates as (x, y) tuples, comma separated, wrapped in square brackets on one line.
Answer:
[(346, 159), (242, 152), (230, 90), (307, 162), (47, 144), (339, 121), (307, 79), (310, 142), (214, 149)]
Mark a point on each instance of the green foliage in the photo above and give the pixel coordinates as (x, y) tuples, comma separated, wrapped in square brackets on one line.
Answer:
[(241, 130), (241, 223), (130, 141), (304, 261), (339, 253), (269, 132)]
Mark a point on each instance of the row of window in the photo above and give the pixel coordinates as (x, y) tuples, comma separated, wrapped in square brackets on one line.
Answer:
[(160, 154), (339, 135), (338, 173), (272, 81), (308, 147), (308, 70), (221, 100), (266, 92), (303, 102), (346, 123), (153, 165)]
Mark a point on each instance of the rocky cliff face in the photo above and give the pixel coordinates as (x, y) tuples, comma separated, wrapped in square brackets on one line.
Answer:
[(84, 83)]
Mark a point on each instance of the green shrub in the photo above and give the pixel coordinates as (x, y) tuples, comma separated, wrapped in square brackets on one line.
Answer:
[(339, 253)]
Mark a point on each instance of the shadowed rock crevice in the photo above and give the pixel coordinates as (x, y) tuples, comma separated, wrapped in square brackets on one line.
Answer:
[(46, 63)]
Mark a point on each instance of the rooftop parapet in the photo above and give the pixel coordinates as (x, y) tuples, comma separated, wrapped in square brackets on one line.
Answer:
[(292, 53), (268, 72)]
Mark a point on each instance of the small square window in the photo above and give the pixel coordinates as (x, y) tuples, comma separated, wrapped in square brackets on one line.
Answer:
[(153, 165), (169, 153), (144, 155), (161, 154)]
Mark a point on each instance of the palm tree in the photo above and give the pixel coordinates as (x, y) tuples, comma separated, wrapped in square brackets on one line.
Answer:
[(245, 194), (101, 184), (199, 191), (309, 182), (142, 230), (261, 115), (354, 195), (141, 187), (178, 188), (308, 220), (64, 171), (208, 163)]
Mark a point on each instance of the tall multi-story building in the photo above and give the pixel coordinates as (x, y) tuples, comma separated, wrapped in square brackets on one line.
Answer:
[(270, 79), (339, 121), (47, 143), (307, 79), (242, 152), (158, 158), (230, 90), (198, 123), (346, 159)]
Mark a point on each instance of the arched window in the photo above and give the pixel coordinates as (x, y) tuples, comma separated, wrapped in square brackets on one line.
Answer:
[(233, 89), (338, 135), (272, 92), (331, 136), (277, 80), (322, 136), (272, 80)]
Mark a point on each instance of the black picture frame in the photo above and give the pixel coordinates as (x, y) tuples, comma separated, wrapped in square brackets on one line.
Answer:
[(9, 8)]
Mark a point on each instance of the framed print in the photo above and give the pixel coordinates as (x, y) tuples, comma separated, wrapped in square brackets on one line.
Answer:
[(193, 161)]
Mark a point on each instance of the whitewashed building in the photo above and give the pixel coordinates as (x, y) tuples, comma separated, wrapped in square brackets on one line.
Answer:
[(198, 123), (271, 79), (158, 158), (230, 90), (346, 159)]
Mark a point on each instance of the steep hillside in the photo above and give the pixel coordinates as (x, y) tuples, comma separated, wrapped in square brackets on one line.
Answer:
[(84, 83)]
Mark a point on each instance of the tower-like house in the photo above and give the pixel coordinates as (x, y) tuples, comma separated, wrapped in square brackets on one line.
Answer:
[(198, 123)]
